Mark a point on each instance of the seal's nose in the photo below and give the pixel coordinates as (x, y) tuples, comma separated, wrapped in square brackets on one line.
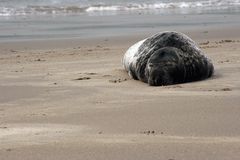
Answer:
[(151, 82), (155, 81)]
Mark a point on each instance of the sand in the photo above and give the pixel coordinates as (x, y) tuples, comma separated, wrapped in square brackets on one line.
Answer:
[(71, 99)]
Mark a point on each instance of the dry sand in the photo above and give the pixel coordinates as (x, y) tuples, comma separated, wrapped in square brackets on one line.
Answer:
[(74, 101)]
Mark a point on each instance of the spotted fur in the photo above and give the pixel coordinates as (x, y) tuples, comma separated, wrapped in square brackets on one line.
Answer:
[(167, 58)]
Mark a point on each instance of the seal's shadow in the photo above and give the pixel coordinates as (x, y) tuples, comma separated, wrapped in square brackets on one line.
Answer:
[(216, 75)]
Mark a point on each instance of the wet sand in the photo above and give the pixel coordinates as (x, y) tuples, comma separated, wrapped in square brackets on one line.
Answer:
[(71, 99)]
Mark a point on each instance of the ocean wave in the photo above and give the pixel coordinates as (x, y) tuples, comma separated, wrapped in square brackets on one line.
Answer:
[(171, 5), (40, 10), (51, 9)]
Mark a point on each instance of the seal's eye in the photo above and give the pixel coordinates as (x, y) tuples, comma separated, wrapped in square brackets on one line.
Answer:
[(150, 65)]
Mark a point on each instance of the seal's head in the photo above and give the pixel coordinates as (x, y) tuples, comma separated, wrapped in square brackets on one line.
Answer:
[(165, 67)]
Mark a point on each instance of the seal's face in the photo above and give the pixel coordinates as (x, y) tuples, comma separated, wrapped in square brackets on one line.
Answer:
[(165, 67)]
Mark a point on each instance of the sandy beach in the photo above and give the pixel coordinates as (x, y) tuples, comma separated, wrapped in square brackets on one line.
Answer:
[(71, 99)]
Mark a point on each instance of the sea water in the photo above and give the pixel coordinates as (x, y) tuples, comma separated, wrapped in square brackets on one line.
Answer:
[(49, 19)]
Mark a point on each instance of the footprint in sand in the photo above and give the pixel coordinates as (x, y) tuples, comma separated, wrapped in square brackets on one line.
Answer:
[(117, 80), (223, 89), (82, 78), (90, 73), (9, 150), (225, 61), (226, 89), (86, 77), (148, 132), (39, 60)]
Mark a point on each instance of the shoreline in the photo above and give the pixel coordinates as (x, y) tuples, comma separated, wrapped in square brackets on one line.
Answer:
[(197, 34), (82, 27)]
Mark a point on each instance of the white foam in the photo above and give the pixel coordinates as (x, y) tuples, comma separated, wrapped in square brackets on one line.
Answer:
[(168, 5), (63, 7), (103, 8)]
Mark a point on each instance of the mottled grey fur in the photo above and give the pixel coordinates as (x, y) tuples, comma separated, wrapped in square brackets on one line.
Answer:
[(169, 58)]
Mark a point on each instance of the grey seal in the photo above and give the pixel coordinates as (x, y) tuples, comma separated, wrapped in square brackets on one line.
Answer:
[(167, 58)]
